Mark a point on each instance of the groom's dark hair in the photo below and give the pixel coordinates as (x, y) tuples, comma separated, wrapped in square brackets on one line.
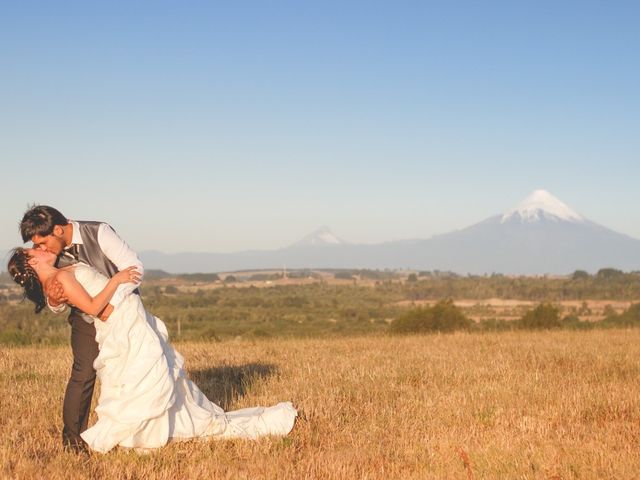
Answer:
[(40, 220)]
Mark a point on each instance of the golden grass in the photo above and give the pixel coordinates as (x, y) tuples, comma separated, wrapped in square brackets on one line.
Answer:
[(509, 405)]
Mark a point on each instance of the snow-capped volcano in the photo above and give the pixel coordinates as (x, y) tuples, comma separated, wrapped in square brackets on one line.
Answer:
[(540, 205), (321, 237), (541, 235)]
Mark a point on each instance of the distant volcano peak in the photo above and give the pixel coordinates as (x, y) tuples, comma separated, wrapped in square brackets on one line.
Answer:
[(539, 205), (321, 237)]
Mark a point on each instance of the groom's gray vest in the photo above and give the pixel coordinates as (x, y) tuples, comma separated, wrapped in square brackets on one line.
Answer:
[(89, 252)]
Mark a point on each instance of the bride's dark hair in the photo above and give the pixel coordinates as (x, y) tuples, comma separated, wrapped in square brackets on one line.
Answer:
[(25, 276)]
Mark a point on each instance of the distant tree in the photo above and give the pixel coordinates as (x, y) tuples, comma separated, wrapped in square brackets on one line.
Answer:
[(609, 311), (200, 277), (580, 275), (584, 309), (343, 275), (172, 289), (544, 316), (152, 274), (609, 273), (230, 279), (412, 278)]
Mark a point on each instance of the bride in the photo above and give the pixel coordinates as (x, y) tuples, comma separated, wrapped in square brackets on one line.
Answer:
[(145, 398)]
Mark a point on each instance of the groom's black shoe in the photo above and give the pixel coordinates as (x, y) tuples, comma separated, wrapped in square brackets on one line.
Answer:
[(77, 446)]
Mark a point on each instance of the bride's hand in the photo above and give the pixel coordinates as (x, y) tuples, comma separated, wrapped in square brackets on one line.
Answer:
[(128, 275)]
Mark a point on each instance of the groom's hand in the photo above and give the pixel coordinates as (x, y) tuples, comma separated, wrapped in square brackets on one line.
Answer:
[(104, 314), (55, 293)]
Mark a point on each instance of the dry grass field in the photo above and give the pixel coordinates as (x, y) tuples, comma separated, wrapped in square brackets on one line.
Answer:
[(502, 405)]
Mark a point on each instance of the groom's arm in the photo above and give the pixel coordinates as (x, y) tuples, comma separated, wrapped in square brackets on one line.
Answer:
[(122, 256)]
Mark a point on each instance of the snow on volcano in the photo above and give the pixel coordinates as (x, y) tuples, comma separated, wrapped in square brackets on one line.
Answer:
[(539, 205), (321, 237)]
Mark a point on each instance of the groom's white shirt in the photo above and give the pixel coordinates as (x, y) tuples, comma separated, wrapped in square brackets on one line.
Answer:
[(116, 250)]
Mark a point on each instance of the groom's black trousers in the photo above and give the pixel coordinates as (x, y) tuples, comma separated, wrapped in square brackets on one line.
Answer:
[(77, 398)]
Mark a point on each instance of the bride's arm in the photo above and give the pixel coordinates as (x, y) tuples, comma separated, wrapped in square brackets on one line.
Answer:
[(78, 296)]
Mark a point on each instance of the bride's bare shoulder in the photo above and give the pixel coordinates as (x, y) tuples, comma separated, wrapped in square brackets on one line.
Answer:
[(64, 276)]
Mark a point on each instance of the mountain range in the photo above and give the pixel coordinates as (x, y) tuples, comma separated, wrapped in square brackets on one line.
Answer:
[(542, 235)]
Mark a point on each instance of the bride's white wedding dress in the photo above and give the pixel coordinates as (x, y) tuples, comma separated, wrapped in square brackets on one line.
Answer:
[(146, 398)]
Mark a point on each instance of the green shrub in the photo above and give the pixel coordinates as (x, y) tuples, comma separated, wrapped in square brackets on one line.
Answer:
[(346, 275), (573, 322), (444, 316), (544, 316), (629, 318), (199, 277), (495, 325)]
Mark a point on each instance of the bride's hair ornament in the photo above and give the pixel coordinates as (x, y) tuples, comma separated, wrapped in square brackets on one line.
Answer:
[(25, 276)]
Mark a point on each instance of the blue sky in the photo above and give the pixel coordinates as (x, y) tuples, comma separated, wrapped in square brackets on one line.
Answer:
[(224, 126)]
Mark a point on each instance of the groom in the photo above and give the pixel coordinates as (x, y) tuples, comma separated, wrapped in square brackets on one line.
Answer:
[(98, 245)]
